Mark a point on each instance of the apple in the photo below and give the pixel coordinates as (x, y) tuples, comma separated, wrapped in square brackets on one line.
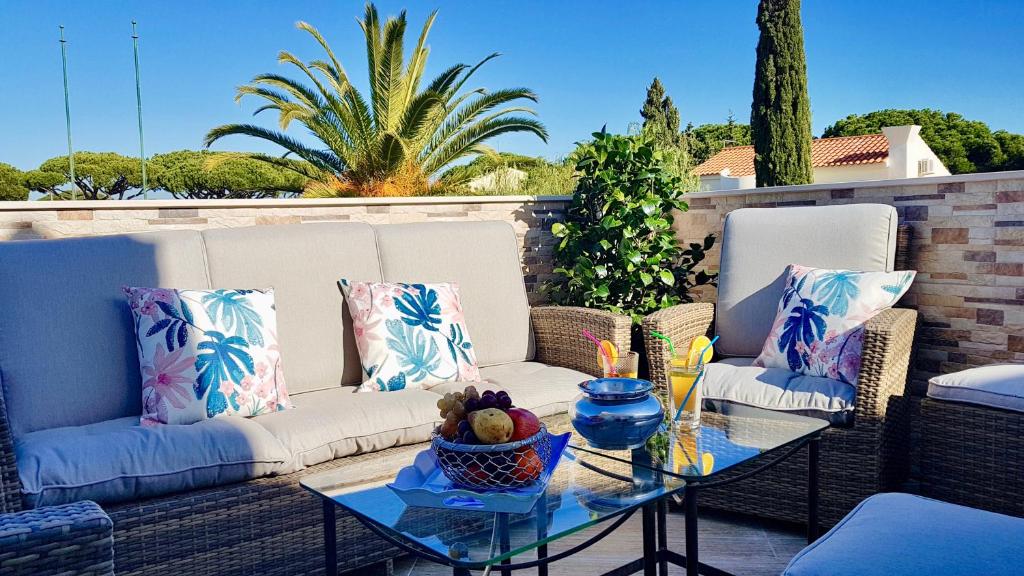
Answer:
[(528, 465), (524, 422)]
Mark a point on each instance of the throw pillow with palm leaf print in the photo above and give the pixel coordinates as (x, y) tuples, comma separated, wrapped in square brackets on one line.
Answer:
[(206, 353), (410, 335), (819, 326)]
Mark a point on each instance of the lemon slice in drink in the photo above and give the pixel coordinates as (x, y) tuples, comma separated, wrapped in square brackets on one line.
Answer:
[(607, 348), (698, 344), (707, 463)]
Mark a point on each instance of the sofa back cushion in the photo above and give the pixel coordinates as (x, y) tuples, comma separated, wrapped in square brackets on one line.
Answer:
[(303, 263), (483, 258), (759, 243), (67, 341)]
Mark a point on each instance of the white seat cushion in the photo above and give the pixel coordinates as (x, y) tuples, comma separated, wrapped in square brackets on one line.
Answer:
[(998, 386), (542, 389), (329, 424), (735, 380), (901, 534), (119, 460)]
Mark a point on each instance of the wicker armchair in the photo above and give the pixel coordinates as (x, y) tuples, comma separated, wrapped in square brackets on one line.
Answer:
[(70, 540), (268, 526), (856, 462), (757, 244)]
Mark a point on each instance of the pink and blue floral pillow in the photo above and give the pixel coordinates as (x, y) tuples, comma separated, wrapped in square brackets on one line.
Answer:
[(206, 353), (819, 326), (410, 335)]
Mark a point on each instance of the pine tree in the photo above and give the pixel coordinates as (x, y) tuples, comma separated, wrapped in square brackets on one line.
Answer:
[(653, 112), (661, 117), (780, 117)]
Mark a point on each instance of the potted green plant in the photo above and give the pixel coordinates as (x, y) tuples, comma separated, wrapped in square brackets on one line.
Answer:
[(618, 250)]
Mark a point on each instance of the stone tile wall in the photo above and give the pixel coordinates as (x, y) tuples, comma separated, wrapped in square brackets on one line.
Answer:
[(531, 218), (967, 246)]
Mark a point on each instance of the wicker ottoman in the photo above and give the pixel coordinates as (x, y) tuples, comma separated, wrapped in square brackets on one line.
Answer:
[(901, 534), (972, 438)]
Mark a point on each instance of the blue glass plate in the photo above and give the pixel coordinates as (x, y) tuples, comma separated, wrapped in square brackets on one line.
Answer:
[(423, 484)]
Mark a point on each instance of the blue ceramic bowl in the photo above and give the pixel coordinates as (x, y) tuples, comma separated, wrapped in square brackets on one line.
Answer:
[(616, 413)]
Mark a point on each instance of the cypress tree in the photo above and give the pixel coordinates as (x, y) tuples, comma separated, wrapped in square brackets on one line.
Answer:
[(661, 117), (780, 117), (652, 111)]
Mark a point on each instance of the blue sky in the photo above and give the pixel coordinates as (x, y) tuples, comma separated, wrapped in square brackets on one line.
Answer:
[(590, 62)]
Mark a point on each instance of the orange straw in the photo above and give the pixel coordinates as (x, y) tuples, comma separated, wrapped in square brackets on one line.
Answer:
[(607, 358)]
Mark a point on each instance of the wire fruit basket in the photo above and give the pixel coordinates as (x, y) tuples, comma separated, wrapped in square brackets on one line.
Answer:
[(493, 466)]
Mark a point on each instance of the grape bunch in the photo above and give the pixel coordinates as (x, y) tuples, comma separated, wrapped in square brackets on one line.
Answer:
[(455, 408)]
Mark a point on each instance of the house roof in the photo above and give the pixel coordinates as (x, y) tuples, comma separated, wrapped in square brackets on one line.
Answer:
[(840, 151)]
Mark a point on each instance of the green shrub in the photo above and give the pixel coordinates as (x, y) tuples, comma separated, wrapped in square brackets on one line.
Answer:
[(618, 250)]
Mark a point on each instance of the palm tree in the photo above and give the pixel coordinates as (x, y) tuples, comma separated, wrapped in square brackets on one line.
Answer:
[(403, 136)]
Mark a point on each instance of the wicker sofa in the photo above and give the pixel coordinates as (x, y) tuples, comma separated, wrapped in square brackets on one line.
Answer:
[(71, 385), (866, 453)]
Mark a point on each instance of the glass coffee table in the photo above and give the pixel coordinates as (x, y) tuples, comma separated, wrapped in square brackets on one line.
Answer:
[(590, 488)]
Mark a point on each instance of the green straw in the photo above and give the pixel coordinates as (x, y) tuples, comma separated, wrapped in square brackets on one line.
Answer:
[(671, 347)]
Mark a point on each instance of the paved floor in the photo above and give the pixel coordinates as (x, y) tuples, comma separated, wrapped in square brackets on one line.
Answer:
[(740, 545)]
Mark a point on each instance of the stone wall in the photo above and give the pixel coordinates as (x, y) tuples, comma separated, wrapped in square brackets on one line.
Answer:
[(531, 218), (967, 246)]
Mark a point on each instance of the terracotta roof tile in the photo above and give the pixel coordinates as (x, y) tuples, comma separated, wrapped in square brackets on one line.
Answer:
[(841, 151)]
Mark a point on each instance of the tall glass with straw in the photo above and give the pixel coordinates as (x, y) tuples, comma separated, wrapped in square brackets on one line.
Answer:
[(685, 374)]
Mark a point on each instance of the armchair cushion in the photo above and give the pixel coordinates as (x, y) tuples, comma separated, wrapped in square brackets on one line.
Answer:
[(997, 386), (737, 380), (758, 244)]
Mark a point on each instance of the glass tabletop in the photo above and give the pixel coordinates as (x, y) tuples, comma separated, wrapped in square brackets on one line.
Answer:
[(588, 487), (585, 489), (724, 440)]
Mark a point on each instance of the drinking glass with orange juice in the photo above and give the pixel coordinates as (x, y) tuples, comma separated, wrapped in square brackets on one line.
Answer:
[(625, 365), (684, 375)]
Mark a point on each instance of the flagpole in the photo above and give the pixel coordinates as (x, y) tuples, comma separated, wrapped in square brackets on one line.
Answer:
[(67, 113), (138, 101)]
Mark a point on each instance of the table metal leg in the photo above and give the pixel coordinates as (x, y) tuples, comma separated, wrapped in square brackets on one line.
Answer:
[(690, 509), (649, 521), (542, 534), (662, 536), (504, 541), (330, 539), (813, 454), (461, 572)]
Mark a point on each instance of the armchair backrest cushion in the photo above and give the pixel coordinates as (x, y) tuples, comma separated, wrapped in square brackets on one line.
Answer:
[(759, 243), (302, 263), (483, 258), (67, 340)]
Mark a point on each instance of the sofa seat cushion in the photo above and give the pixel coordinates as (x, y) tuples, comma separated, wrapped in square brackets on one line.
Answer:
[(737, 380), (119, 460), (997, 386), (542, 389), (896, 534), (328, 424)]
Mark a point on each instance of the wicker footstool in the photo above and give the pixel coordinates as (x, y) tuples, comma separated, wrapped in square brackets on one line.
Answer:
[(972, 438), (69, 540), (905, 535)]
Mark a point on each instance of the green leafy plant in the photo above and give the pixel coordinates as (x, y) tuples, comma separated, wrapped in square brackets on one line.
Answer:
[(618, 249)]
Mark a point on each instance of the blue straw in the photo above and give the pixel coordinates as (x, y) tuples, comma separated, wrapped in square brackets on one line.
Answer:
[(696, 381)]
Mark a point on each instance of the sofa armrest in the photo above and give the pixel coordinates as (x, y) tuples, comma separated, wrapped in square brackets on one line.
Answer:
[(558, 334), (72, 540), (681, 323), (888, 339)]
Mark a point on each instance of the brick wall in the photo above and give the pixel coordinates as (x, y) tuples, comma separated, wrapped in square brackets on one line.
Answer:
[(531, 218), (967, 246)]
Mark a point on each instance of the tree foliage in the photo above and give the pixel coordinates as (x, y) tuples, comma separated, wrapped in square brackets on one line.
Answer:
[(963, 145), (780, 116), (98, 175), (543, 178), (618, 249), (393, 142), (225, 175), (12, 183), (661, 117), (706, 140)]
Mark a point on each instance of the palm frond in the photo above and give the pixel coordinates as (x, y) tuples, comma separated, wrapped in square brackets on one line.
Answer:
[(476, 134), (418, 59), (319, 158)]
